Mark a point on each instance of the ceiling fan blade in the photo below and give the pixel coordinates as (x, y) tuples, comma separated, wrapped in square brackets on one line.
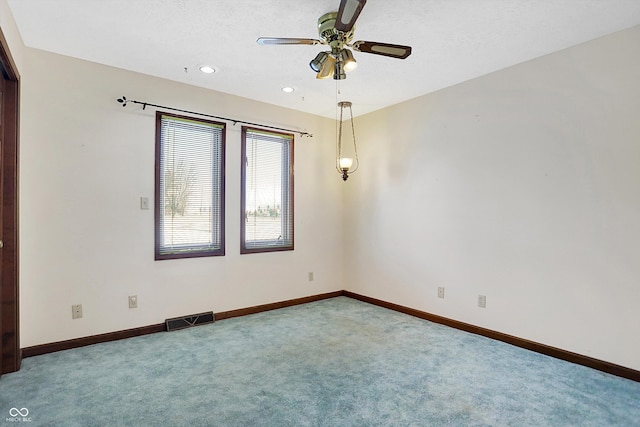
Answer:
[(348, 13), (385, 49), (280, 40)]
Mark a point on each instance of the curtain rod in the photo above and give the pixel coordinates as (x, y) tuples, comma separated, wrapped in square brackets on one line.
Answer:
[(124, 102)]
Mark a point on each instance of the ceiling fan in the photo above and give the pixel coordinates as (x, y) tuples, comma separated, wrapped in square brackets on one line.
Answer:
[(336, 31)]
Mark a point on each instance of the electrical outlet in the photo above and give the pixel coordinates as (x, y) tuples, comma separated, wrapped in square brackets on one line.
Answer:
[(482, 301), (76, 311), (440, 291), (311, 276), (133, 301)]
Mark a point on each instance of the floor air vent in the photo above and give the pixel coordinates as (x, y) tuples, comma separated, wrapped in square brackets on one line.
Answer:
[(189, 321)]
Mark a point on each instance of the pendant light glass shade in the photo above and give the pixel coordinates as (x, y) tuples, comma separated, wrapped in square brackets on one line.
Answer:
[(345, 163), (327, 68), (348, 61)]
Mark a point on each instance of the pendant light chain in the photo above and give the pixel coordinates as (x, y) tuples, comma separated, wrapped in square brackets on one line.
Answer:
[(353, 134), (339, 150), (338, 130)]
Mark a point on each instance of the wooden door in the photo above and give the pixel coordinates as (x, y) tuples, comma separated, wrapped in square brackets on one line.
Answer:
[(10, 355)]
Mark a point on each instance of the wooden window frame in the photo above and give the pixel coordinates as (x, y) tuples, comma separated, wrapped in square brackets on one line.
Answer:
[(244, 249)]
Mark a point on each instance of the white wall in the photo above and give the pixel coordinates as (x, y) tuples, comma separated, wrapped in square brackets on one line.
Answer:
[(522, 185), (85, 161), (11, 34)]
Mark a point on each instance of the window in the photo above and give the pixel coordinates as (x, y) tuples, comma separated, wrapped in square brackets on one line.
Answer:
[(189, 202), (267, 191)]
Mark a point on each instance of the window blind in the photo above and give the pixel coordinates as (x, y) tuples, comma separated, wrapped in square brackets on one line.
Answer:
[(267, 191), (190, 187)]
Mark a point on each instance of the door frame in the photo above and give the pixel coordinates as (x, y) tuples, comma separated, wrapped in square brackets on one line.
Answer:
[(10, 354)]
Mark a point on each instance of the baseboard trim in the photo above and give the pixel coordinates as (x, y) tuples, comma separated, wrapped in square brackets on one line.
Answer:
[(558, 353), (276, 305), (38, 350)]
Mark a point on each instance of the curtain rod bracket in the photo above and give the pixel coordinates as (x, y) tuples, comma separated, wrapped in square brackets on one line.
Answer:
[(124, 102)]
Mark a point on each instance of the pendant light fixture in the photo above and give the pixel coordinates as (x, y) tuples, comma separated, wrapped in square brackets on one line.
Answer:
[(346, 165)]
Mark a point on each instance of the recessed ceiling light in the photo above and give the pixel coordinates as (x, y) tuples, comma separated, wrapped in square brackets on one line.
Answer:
[(288, 89), (207, 69)]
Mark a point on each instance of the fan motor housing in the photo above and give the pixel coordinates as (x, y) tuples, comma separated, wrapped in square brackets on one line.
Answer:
[(326, 24), (327, 31)]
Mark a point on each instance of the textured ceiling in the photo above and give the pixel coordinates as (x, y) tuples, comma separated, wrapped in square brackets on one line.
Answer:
[(453, 41)]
